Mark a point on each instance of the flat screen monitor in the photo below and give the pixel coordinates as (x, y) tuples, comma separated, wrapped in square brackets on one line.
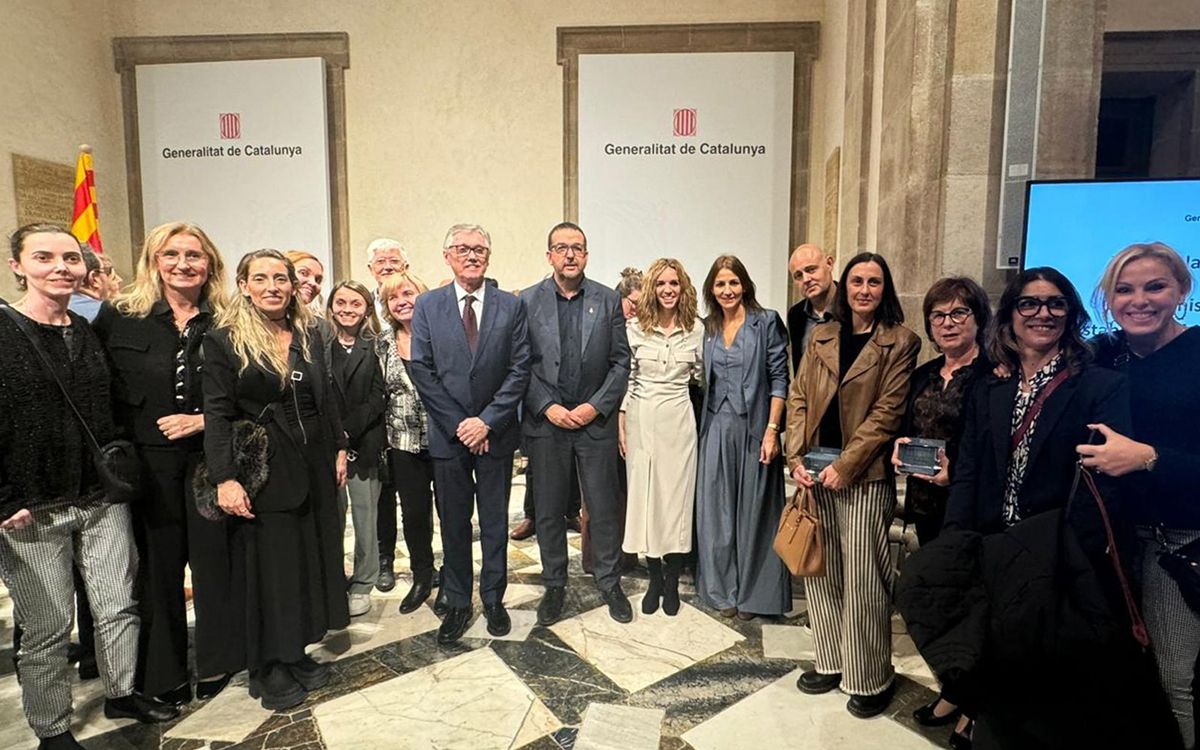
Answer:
[(1077, 226)]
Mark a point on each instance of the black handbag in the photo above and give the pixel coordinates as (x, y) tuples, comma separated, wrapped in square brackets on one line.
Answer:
[(116, 461), (251, 457), (1183, 565)]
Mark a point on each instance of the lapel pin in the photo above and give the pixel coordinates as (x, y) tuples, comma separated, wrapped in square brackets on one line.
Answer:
[(591, 311)]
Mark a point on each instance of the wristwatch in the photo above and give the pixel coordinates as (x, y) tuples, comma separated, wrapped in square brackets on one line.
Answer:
[(1152, 461)]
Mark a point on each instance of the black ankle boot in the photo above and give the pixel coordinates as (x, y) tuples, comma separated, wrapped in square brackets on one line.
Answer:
[(670, 597), (654, 592)]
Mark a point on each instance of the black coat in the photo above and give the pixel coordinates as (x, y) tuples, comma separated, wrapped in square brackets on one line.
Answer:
[(361, 398), (142, 353), (977, 490), (230, 395)]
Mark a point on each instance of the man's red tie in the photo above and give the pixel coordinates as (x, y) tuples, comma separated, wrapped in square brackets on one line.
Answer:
[(470, 324)]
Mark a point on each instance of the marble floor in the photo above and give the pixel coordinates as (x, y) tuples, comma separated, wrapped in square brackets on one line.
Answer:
[(696, 680)]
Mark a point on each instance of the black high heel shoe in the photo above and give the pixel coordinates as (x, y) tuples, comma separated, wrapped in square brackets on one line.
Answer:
[(206, 689), (926, 716), (962, 740)]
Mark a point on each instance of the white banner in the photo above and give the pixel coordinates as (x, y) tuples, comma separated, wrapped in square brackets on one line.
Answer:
[(687, 156), (238, 148)]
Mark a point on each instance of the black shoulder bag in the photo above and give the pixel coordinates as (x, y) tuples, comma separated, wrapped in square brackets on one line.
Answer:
[(116, 461)]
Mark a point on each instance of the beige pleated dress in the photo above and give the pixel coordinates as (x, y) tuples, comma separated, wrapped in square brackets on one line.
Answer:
[(660, 435)]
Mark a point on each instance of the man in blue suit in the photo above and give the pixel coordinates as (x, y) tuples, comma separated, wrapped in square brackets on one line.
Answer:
[(580, 370), (470, 364)]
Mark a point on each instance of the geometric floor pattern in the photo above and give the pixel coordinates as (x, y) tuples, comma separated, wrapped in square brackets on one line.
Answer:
[(696, 680)]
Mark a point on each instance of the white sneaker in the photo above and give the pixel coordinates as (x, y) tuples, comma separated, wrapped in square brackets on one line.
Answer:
[(360, 604)]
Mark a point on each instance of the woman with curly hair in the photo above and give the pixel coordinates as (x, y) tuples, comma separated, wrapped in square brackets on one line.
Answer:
[(658, 428), (263, 365)]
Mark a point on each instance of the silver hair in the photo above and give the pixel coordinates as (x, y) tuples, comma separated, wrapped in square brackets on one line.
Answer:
[(465, 229), (385, 243)]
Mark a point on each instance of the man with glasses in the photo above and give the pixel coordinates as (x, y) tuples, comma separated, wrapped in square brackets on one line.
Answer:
[(470, 364), (812, 273), (580, 370)]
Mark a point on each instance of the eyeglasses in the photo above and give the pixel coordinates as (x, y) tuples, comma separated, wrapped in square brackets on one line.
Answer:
[(388, 263), (958, 315), (563, 249), (1028, 307), (463, 251), (173, 256)]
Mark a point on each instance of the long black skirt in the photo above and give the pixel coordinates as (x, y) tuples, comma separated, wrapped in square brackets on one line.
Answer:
[(287, 568)]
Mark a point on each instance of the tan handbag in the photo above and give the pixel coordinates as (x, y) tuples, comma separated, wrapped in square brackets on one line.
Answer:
[(799, 542)]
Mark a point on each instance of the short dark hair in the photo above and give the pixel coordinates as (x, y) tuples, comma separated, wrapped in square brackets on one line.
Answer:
[(16, 241), (1002, 342), (959, 288), (91, 261), (889, 312), (564, 225), (712, 321)]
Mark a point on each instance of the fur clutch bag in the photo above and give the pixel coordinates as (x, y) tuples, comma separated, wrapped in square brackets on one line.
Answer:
[(251, 456)]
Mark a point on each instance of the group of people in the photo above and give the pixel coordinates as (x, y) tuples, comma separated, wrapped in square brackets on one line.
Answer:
[(675, 429)]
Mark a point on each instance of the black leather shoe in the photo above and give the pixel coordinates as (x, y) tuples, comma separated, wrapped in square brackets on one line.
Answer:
[(276, 688), (618, 604), (574, 524), (815, 683), (387, 577), (311, 674), (64, 741), (134, 706), (866, 706), (208, 689), (550, 610), (441, 604), (926, 716), (177, 697), (498, 622), (455, 624), (416, 596)]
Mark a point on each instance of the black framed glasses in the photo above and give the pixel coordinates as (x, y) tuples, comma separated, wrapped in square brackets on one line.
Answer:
[(563, 248), (958, 315), (1028, 307), (463, 251)]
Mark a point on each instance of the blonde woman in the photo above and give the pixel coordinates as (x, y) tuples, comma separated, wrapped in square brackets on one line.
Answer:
[(153, 335), (310, 273), (262, 363), (409, 462), (657, 429)]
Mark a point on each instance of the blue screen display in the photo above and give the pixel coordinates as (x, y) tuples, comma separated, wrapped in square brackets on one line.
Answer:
[(1077, 227)]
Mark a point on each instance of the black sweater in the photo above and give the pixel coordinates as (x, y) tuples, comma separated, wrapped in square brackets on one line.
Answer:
[(1166, 415), (43, 457)]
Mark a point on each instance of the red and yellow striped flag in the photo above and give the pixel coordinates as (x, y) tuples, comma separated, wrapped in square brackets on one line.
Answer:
[(85, 222)]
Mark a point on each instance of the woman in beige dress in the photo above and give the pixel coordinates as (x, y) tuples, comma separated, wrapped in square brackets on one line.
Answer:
[(658, 428)]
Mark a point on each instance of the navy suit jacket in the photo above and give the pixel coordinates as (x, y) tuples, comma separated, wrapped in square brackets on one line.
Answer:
[(454, 384), (764, 373), (604, 370)]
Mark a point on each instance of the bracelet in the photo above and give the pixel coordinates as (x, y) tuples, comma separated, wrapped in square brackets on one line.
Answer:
[(1149, 463), (772, 426)]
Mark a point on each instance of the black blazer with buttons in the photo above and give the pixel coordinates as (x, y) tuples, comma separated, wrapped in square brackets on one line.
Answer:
[(361, 396), (142, 354)]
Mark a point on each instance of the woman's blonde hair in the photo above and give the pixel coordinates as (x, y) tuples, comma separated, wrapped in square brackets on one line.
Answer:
[(253, 341), (391, 285), (370, 321), (317, 306), (648, 309), (147, 286), (1102, 296)]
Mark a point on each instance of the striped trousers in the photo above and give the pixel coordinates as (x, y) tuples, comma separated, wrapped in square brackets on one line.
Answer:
[(849, 608), (36, 564), (1174, 628)]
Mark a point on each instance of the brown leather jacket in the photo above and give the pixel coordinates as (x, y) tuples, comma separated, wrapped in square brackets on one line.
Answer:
[(872, 397)]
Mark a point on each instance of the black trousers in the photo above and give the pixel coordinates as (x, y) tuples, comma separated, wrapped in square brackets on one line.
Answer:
[(574, 499), (466, 483), (385, 522), (568, 459), (412, 475), (173, 535)]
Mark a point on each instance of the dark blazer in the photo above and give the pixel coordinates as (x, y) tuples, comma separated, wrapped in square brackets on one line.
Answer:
[(360, 395), (255, 393), (765, 375), (142, 354), (454, 384), (977, 490), (604, 370)]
